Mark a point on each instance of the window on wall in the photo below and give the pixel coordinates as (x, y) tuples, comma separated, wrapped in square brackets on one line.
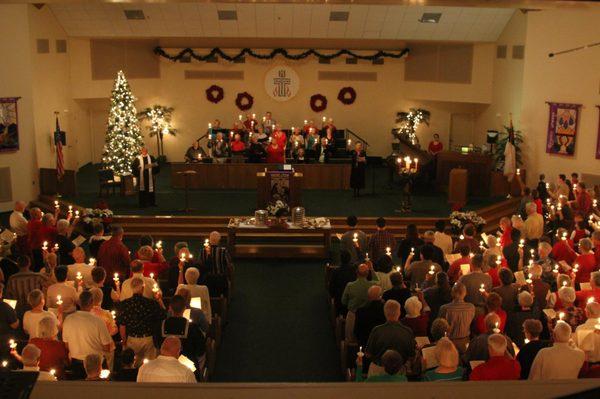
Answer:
[(449, 63)]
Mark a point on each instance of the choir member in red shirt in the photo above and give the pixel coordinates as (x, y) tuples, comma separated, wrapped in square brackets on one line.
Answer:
[(146, 255), (499, 366), (435, 145), (279, 136), (563, 248), (506, 227), (250, 123), (275, 152), (583, 199), (34, 236), (586, 261), (583, 295), (237, 146)]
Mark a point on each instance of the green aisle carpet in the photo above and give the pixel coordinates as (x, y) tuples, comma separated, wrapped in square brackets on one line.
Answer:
[(279, 328), (426, 202)]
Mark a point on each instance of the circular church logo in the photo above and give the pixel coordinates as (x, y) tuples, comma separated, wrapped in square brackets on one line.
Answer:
[(282, 83)]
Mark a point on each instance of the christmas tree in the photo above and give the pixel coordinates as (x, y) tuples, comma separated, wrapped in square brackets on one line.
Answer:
[(123, 137)]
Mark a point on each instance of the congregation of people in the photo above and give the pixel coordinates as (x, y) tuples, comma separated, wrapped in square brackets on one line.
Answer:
[(107, 311), (450, 305)]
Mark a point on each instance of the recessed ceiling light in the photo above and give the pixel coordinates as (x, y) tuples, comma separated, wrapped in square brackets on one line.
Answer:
[(339, 16), (430, 17), (227, 15), (134, 14)]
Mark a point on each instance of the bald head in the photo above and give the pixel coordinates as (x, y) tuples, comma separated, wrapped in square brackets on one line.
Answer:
[(171, 346), (20, 206), (363, 270), (79, 255), (374, 293)]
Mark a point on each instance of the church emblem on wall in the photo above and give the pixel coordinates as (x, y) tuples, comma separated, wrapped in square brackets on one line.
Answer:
[(282, 83)]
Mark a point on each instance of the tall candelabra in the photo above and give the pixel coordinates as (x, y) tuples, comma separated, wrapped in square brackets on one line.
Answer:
[(407, 169)]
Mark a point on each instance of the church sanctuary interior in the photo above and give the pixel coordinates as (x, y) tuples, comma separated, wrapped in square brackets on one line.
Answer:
[(299, 198)]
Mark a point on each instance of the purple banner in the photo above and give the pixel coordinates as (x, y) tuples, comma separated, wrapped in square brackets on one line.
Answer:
[(562, 128)]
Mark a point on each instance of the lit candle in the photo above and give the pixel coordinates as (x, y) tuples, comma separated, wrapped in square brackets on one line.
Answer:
[(116, 278), (564, 283), (145, 361), (547, 201), (591, 299), (210, 125), (253, 116), (499, 260), (264, 118), (59, 300), (496, 328), (159, 243), (305, 122), (78, 276), (76, 213), (399, 160), (70, 208), (564, 236), (526, 340), (56, 247), (556, 268), (4, 363), (561, 315), (416, 164), (155, 288), (367, 256), (326, 141), (104, 374), (482, 288), (324, 119), (231, 134), (518, 172), (432, 270), (190, 256), (182, 258), (349, 142), (529, 281), (206, 243), (412, 250), (240, 116), (12, 344), (152, 276), (521, 243), (398, 269), (461, 237), (53, 372), (45, 246), (296, 144), (92, 261), (388, 251), (56, 205), (471, 254), (595, 203), (113, 314)]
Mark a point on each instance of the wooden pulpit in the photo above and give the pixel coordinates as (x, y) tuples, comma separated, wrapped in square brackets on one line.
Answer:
[(273, 185)]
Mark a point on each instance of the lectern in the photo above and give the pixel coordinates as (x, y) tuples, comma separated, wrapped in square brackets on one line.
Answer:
[(273, 185)]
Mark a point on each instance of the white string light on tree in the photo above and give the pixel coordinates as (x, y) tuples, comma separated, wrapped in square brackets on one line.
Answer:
[(160, 124), (408, 122)]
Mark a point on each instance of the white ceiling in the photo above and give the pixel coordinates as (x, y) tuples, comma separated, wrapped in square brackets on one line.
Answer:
[(283, 21)]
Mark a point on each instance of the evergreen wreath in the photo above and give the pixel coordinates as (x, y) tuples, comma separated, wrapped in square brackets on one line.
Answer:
[(244, 101), (318, 103), (214, 94), (347, 95)]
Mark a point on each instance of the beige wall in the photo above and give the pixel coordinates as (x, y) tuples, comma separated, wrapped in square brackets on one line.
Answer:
[(15, 81), (569, 78), (371, 116)]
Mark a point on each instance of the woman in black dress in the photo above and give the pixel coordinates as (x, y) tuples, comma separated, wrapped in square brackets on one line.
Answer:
[(359, 166)]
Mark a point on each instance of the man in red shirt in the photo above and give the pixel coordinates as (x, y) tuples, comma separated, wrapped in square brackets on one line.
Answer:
[(237, 145), (113, 255), (454, 271), (499, 366), (583, 199)]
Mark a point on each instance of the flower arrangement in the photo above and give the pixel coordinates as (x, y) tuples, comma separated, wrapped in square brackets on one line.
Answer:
[(278, 208), (458, 220)]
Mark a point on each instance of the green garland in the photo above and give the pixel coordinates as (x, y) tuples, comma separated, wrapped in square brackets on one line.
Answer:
[(217, 52)]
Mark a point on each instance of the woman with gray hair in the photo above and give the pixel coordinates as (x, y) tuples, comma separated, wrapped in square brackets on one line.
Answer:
[(192, 275), (55, 355), (566, 309), (447, 357)]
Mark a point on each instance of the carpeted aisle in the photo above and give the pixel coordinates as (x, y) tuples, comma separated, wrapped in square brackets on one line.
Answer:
[(278, 329)]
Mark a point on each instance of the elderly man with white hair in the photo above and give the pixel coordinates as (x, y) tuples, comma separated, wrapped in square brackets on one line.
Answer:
[(533, 227), (137, 271), (192, 275), (30, 357), (390, 335), (18, 225), (561, 360), (138, 318), (93, 367), (218, 266), (498, 366), (80, 268), (166, 367), (586, 336)]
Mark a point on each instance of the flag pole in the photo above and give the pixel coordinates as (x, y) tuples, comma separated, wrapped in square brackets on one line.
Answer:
[(58, 195)]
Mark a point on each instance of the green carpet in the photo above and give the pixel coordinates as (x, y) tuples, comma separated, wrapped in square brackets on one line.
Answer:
[(426, 202), (278, 328)]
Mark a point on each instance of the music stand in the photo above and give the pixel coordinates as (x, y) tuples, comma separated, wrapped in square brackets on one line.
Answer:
[(186, 178)]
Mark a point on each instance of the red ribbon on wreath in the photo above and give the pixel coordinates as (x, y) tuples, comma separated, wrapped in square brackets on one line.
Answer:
[(214, 94), (244, 101), (318, 102), (347, 95)]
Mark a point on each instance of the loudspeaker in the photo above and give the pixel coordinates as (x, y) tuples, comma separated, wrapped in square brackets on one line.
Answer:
[(492, 136)]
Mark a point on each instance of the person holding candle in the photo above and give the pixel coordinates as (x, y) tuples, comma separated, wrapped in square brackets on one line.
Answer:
[(194, 153), (473, 282), (417, 315), (80, 266), (20, 284), (32, 317), (359, 167), (417, 271), (380, 240), (18, 224), (393, 366), (192, 275), (267, 123), (369, 316), (493, 304), (354, 240), (583, 296), (238, 147), (399, 291), (138, 317), (459, 315), (54, 353), (573, 315), (586, 261), (137, 272), (113, 255), (64, 231), (323, 150), (355, 296), (219, 150), (108, 320), (217, 265), (478, 346), (340, 277), (560, 361), (146, 255), (65, 290), (275, 152), (50, 264), (498, 366), (35, 237), (256, 151), (109, 295), (30, 357)]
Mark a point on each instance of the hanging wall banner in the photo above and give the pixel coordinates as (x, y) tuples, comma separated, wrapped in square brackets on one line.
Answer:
[(598, 142), (9, 124), (562, 128), (282, 83)]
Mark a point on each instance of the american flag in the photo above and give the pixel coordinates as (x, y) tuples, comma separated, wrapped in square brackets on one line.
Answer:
[(60, 160)]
